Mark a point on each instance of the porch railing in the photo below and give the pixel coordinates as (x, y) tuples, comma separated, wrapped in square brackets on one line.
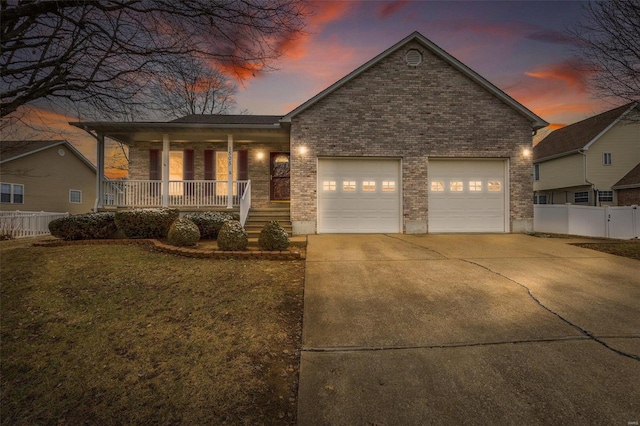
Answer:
[(245, 203), (182, 193), (19, 224)]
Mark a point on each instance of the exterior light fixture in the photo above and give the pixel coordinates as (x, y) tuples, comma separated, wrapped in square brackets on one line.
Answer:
[(526, 153), (303, 150), (260, 155)]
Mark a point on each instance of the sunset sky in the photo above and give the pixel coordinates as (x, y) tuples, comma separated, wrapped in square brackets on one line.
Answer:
[(518, 46)]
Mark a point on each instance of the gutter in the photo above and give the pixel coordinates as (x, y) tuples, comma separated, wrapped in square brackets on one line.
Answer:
[(586, 179)]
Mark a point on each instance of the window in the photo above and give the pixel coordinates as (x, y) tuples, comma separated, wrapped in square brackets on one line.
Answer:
[(222, 171), (75, 196), (369, 185), (605, 196), (536, 172), (329, 185), (12, 193), (388, 185), (606, 158), (456, 186), (540, 199), (475, 185), (581, 197), (349, 185), (437, 186), (495, 186)]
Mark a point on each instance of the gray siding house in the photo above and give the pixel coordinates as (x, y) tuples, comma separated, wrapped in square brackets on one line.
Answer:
[(413, 141)]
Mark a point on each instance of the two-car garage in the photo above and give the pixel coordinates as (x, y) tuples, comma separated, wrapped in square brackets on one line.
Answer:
[(364, 195)]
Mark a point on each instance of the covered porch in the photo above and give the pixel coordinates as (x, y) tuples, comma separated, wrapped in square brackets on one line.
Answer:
[(197, 162)]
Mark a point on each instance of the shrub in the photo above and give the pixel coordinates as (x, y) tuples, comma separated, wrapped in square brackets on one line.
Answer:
[(273, 237), (183, 232), (90, 226), (146, 223), (209, 223), (232, 236)]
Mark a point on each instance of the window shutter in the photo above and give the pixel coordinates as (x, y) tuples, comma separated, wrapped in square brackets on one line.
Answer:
[(155, 168), (188, 165), (209, 164), (243, 165)]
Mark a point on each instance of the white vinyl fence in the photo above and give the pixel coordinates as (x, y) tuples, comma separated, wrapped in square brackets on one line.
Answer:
[(20, 224), (609, 222)]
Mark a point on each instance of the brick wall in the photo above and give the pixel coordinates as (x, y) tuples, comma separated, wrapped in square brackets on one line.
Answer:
[(412, 113), (629, 197), (259, 172)]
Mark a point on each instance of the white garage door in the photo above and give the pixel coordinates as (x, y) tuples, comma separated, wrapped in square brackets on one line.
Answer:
[(358, 195), (467, 196)]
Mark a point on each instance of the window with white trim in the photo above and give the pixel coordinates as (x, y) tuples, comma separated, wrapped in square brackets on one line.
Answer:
[(475, 185), (536, 172), (456, 186), (349, 185), (540, 199), (369, 185), (606, 158), (388, 185), (75, 196), (11, 193), (581, 197), (329, 185), (605, 196), (437, 186), (494, 186)]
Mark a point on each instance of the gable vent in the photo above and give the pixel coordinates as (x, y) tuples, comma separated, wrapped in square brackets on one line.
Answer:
[(414, 58)]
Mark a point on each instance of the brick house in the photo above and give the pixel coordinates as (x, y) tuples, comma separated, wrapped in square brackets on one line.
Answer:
[(412, 141), (592, 162)]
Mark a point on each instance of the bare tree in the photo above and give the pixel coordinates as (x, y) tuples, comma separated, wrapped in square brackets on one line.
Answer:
[(103, 53), (608, 41), (193, 86)]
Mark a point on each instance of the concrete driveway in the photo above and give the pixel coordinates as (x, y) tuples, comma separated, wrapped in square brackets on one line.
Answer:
[(468, 329)]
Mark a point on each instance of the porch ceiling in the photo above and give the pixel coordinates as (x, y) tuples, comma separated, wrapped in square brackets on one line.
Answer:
[(130, 133)]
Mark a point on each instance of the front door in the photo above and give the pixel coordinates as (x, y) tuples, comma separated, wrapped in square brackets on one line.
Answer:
[(280, 168)]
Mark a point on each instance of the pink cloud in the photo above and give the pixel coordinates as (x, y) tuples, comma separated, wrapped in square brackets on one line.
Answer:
[(387, 9), (571, 73)]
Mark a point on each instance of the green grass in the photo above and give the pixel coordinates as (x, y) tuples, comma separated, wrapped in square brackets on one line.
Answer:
[(121, 335)]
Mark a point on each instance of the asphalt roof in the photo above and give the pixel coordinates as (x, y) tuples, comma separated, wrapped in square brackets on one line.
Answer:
[(631, 178), (576, 136), (228, 119)]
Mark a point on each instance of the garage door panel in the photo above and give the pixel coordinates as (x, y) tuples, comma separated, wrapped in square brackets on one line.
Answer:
[(364, 198), (475, 205)]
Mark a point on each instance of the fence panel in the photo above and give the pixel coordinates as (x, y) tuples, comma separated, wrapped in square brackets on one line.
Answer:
[(623, 222), (19, 224), (551, 218), (612, 222), (587, 221)]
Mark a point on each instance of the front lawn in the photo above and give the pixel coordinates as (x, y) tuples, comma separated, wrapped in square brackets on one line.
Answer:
[(116, 335)]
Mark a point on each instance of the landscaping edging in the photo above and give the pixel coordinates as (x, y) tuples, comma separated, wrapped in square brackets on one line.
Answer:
[(181, 251)]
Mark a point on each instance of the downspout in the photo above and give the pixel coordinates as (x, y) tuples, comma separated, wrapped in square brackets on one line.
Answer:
[(586, 179)]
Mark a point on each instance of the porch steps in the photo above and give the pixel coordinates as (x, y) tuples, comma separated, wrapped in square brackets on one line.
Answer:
[(258, 217)]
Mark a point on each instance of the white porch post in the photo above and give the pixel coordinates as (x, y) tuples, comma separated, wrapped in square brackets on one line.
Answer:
[(229, 171), (165, 170), (99, 173)]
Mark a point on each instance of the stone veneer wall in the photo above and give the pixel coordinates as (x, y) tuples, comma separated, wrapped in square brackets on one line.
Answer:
[(259, 172), (413, 113)]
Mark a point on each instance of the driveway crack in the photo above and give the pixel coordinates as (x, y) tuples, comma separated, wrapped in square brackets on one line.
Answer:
[(581, 330)]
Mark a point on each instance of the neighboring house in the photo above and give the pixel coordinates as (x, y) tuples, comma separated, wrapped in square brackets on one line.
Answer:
[(412, 141), (50, 176), (587, 162)]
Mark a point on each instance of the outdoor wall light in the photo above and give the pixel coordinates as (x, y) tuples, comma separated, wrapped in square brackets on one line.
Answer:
[(526, 153), (260, 155), (303, 150)]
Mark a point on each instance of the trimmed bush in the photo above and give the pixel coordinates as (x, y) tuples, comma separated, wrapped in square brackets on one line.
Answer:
[(273, 237), (183, 232), (91, 226), (232, 237), (209, 223), (146, 223)]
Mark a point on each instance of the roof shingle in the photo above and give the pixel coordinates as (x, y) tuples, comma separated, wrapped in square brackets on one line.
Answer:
[(576, 136), (12, 149), (228, 119), (631, 178)]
